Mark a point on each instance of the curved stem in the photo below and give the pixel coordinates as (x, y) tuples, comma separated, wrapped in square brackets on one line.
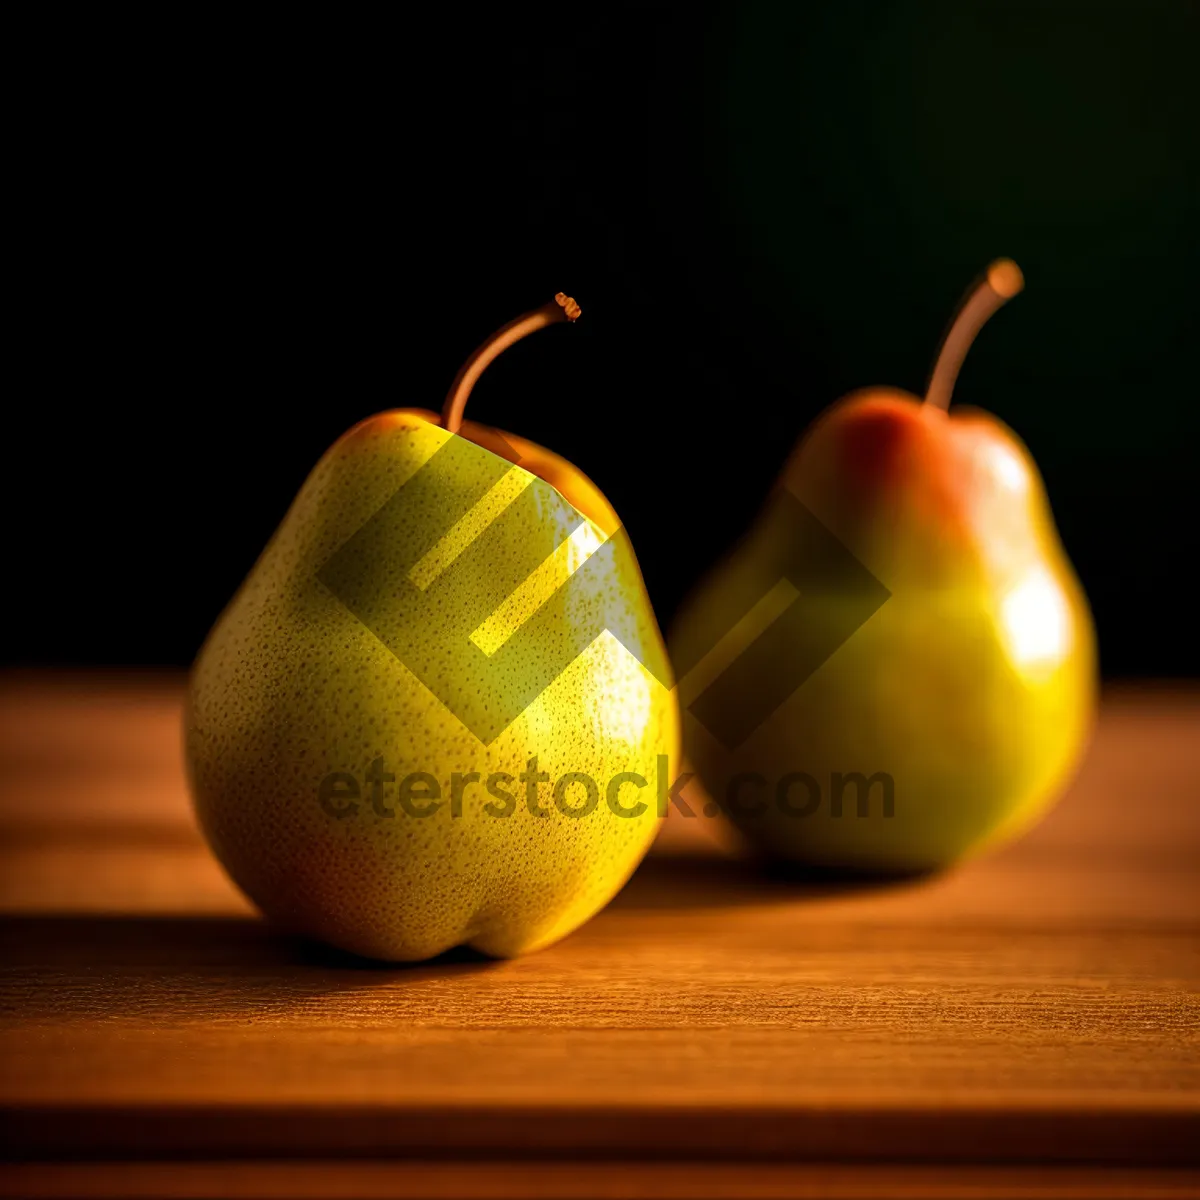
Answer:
[(561, 308), (1000, 284)]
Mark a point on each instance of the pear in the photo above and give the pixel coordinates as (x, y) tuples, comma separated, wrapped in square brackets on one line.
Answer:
[(896, 667), (437, 710)]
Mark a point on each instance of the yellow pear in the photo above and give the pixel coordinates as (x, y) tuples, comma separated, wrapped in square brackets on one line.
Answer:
[(896, 667), (438, 709)]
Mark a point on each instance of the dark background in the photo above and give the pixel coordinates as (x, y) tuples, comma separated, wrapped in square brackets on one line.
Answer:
[(245, 237)]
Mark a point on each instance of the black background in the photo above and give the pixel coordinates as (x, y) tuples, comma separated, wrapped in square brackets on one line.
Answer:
[(244, 237)]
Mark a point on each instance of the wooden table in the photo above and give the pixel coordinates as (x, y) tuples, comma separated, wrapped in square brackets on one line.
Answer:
[(1025, 1026)]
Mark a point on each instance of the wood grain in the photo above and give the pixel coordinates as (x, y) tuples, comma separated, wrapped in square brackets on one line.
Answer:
[(591, 1180), (1038, 1007)]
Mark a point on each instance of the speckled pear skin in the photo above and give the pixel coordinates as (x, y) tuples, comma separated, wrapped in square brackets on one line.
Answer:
[(973, 686), (291, 687)]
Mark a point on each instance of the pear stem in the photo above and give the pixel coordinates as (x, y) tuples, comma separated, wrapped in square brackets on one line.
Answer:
[(1002, 281), (561, 308)]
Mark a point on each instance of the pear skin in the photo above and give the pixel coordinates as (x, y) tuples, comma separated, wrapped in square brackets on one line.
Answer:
[(344, 797), (955, 714)]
